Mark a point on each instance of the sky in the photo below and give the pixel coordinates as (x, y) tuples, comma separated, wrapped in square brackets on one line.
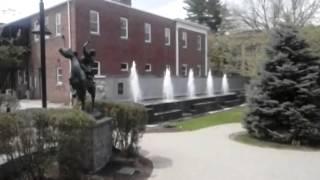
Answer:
[(11, 10)]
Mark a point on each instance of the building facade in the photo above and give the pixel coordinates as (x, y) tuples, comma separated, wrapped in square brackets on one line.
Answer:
[(120, 34)]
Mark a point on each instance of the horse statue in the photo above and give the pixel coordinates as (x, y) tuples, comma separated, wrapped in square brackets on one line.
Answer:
[(79, 81)]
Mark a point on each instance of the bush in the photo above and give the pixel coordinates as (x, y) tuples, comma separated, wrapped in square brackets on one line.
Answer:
[(284, 103), (129, 121), (29, 140)]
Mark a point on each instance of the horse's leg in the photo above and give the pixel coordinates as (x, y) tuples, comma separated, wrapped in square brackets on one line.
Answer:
[(92, 92)]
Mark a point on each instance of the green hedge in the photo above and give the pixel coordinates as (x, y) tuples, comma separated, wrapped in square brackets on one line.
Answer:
[(33, 138), (129, 122)]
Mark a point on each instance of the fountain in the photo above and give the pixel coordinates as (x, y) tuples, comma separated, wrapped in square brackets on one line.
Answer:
[(191, 88), (210, 86), (167, 86), (134, 83), (225, 84)]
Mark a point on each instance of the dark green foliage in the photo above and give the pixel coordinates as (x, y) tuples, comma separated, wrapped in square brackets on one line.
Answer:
[(208, 12), (11, 56), (32, 139), (129, 121), (284, 103)]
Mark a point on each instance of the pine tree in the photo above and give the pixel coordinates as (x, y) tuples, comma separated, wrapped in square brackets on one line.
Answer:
[(215, 12), (207, 12), (196, 10), (284, 104)]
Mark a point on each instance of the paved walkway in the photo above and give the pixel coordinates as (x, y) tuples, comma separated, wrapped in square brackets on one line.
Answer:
[(29, 104), (209, 154)]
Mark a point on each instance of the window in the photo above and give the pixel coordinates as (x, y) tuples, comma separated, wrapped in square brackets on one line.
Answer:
[(46, 22), (58, 24), (94, 22), (36, 26), (199, 43), (96, 68), (124, 28), (167, 35), (199, 70), (184, 40), (22, 77), (120, 88), (148, 67), (59, 76), (124, 67), (184, 70), (147, 33)]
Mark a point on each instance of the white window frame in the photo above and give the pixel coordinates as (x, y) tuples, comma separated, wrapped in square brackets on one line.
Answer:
[(98, 69), (147, 31), (125, 20), (46, 23), (167, 34), (186, 69), (59, 77), (199, 43), (58, 25), (124, 70), (150, 67), (96, 13), (36, 26), (185, 39)]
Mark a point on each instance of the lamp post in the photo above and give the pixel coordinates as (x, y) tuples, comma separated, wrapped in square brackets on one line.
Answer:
[(42, 32)]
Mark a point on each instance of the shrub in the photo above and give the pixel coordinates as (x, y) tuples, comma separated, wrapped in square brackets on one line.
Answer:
[(129, 121), (73, 126), (284, 102), (29, 141)]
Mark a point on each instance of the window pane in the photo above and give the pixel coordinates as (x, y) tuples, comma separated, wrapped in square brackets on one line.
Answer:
[(120, 88), (94, 22), (124, 28)]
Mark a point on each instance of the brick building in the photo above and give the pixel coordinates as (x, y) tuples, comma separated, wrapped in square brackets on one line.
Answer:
[(120, 34)]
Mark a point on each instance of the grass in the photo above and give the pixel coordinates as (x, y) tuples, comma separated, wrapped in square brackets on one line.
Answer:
[(230, 116)]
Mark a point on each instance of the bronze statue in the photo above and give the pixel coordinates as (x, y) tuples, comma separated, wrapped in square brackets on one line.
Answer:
[(82, 75)]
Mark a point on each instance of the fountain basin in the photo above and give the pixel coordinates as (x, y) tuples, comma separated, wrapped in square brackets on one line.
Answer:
[(161, 111)]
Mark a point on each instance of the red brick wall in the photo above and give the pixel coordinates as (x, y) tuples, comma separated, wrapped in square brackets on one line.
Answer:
[(55, 92), (190, 55), (112, 50)]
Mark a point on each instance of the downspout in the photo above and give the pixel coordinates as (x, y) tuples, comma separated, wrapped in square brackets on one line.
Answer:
[(69, 43), (69, 25), (177, 49), (206, 54)]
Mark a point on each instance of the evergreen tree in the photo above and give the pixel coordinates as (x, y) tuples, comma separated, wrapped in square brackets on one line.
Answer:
[(284, 104), (208, 12), (196, 10), (215, 12)]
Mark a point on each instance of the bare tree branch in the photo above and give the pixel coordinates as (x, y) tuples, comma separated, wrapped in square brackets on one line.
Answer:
[(267, 14)]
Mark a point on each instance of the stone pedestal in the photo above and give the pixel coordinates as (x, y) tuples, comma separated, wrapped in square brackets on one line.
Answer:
[(100, 146)]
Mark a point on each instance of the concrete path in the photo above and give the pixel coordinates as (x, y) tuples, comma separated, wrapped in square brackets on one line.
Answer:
[(29, 104), (209, 154)]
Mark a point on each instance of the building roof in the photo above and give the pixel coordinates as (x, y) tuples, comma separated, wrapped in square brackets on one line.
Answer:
[(189, 23)]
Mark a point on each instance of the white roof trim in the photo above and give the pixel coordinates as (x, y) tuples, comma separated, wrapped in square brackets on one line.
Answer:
[(193, 25)]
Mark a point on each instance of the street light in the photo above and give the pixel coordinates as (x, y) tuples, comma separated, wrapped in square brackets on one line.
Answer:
[(42, 32)]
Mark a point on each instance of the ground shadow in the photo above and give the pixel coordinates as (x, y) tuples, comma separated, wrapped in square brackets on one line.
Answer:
[(160, 162), (142, 165), (244, 138)]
